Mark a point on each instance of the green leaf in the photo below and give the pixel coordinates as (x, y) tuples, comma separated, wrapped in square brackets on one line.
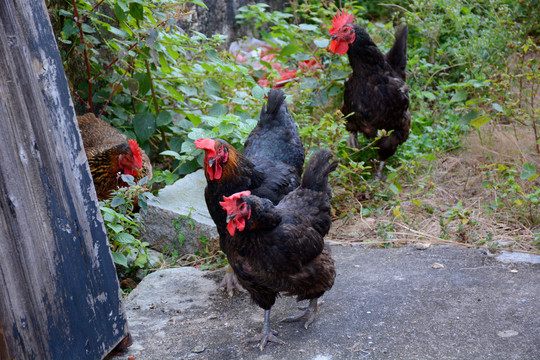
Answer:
[(152, 37), (336, 74), (226, 128), (87, 29), (213, 56), (176, 143), (211, 87), (394, 189), (117, 200), (144, 83), (258, 92), (171, 153), (459, 96), (497, 107), (69, 29), (188, 90), (174, 93), (65, 13), (188, 147), (466, 119), (136, 10), (164, 64), (197, 133), (217, 110), (199, 2), (164, 118), (335, 90), (308, 27), (481, 120), (120, 13), (120, 259), (141, 260), (115, 227), (321, 43), (309, 83), (194, 118), (289, 50), (428, 95), (144, 125), (118, 32), (529, 172), (125, 238)]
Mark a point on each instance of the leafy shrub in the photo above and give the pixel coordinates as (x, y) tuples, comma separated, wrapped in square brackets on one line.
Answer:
[(167, 87), (123, 225)]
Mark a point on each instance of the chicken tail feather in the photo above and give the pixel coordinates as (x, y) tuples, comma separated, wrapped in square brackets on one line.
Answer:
[(317, 170), (276, 98), (397, 55)]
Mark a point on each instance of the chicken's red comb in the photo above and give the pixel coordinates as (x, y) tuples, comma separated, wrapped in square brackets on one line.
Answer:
[(229, 202), (206, 144), (136, 152), (340, 20)]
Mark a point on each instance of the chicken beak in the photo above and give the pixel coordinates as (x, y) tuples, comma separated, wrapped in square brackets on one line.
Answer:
[(333, 37), (230, 217), (211, 162)]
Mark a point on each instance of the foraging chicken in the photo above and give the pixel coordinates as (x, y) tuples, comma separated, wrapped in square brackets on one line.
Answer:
[(375, 92), (110, 155), (270, 166), (280, 248)]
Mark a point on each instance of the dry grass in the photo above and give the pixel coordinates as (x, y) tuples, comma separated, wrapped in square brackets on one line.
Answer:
[(453, 207)]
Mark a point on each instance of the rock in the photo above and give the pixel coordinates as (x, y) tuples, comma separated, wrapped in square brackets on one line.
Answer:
[(507, 333), (422, 245), (511, 257), (171, 290), (179, 209), (219, 17)]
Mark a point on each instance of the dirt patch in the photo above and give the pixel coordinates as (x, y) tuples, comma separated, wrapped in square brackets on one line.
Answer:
[(471, 197)]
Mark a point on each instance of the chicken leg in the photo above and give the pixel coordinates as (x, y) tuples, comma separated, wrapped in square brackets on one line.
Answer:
[(309, 314), (352, 141), (230, 282), (267, 334), (379, 176)]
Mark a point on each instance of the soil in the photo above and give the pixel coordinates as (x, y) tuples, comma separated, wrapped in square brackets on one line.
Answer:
[(453, 204)]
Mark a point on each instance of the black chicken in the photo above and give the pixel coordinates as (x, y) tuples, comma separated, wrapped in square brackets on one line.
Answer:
[(280, 248), (270, 166), (375, 92)]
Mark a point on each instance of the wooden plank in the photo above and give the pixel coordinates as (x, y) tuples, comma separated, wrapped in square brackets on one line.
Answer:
[(59, 295)]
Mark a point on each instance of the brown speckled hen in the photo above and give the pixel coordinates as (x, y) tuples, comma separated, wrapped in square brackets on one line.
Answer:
[(280, 248), (110, 155), (375, 92)]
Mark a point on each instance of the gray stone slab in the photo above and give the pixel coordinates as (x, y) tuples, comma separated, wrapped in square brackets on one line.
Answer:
[(399, 303), (179, 208)]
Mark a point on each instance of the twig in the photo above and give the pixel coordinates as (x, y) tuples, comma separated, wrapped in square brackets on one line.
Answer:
[(85, 53)]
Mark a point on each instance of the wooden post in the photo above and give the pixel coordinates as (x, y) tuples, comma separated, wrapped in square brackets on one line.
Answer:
[(59, 295)]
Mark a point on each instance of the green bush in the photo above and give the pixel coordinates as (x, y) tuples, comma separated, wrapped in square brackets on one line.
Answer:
[(166, 87)]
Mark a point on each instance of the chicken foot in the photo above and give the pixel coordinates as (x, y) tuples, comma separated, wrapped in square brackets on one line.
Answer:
[(267, 334), (352, 141), (230, 282), (379, 176), (308, 314)]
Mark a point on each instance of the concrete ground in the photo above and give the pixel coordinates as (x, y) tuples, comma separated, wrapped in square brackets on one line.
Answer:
[(399, 303)]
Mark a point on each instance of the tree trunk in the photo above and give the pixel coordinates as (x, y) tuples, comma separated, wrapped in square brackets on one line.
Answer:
[(220, 18), (59, 296)]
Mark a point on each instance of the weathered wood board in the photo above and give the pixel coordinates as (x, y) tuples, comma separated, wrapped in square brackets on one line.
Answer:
[(59, 296)]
